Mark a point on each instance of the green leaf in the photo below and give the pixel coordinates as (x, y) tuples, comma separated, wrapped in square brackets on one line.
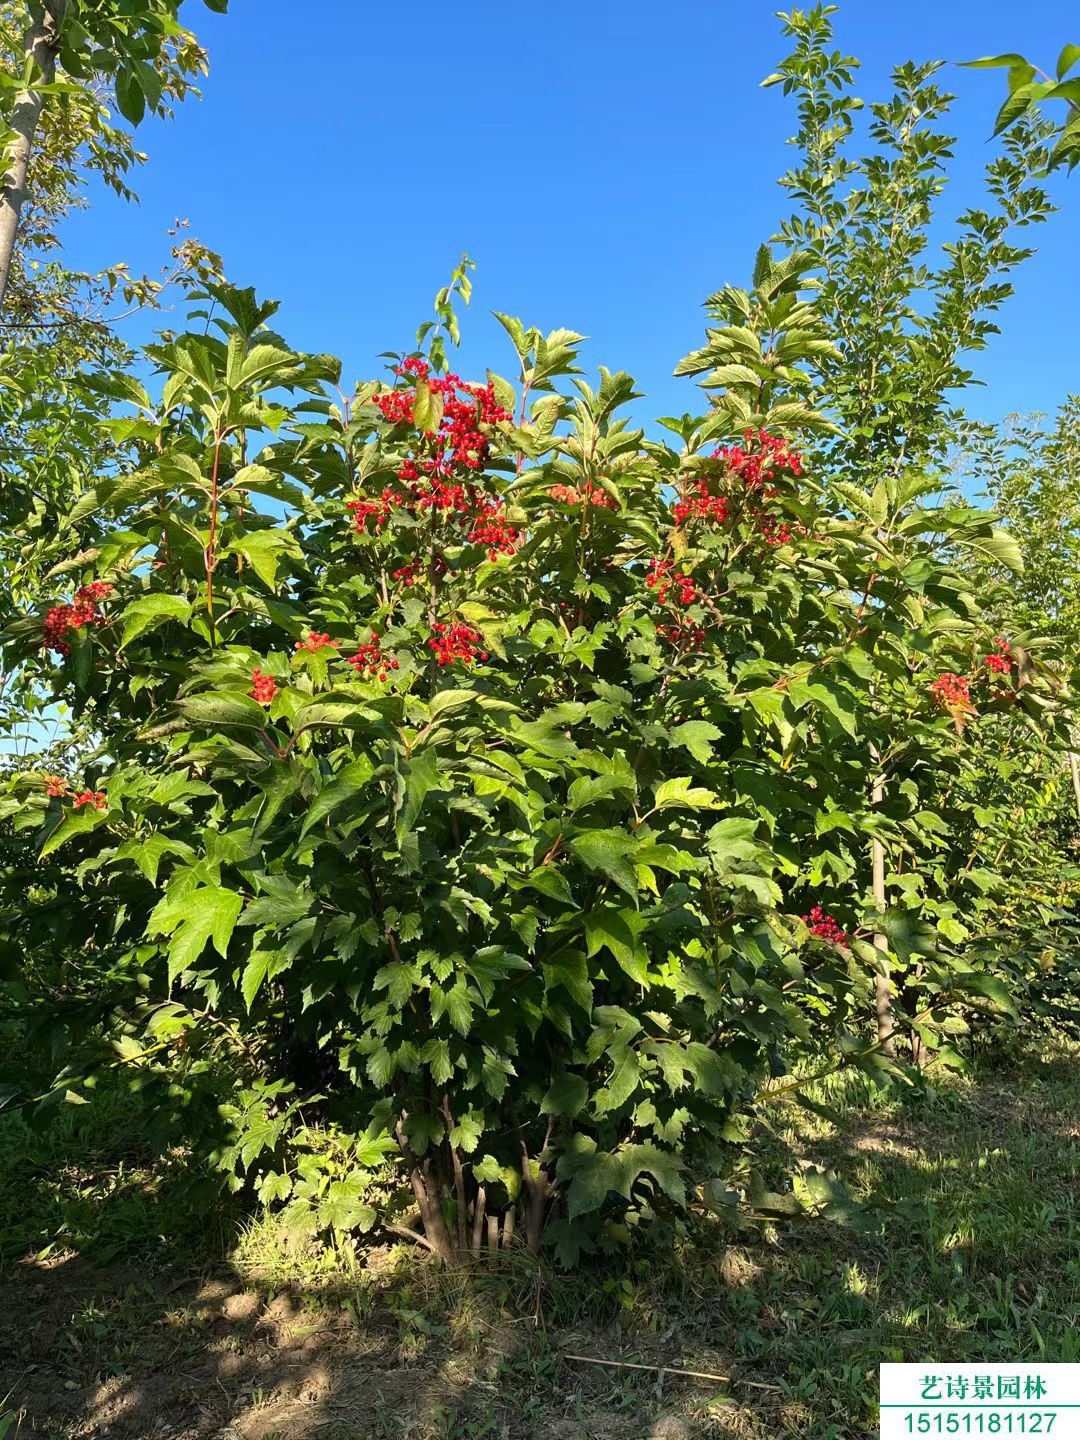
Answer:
[(606, 851), (999, 545), (609, 928), (977, 982), (346, 1206), (569, 969), (567, 1095), (283, 906), (76, 822), (696, 736), (448, 702), (265, 551), (459, 1007), (592, 1175), (261, 481), (223, 707), (130, 99), (590, 788), (734, 839), (351, 780), (262, 966), (467, 1132), (820, 1192), (427, 408), (625, 1076), (420, 776), (986, 62), (150, 611), (208, 912), (681, 794), (148, 851)]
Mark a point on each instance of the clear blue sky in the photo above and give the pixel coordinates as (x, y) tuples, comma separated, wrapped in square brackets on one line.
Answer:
[(607, 166)]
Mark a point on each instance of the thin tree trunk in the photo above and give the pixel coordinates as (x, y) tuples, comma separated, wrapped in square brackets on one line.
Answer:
[(538, 1191), (1074, 767), (459, 1178), (883, 1004), (426, 1191), (479, 1211), (40, 43)]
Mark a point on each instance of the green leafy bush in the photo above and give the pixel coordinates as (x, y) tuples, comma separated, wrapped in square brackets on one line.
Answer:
[(467, 806), (467, 762)]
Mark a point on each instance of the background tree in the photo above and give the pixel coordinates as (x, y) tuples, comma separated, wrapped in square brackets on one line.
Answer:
[(903, 326), (75, 57), (59, 327)]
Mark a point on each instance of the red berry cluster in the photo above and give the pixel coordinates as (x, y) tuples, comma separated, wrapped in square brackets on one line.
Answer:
[(96, 798), (396, 405), (490, 528), (62, 619), (589, 494), (662, 581), (439, 477), (407, 574), (757, 467), (1001, 660), (316, 640), (55, 785), (369, 660), (824, 926), (462, 439), (952, 692), (363, 510), (773, 531), (456, 642), (698, 503), (683, 634), (754, 465), (263, 687), (448, 497)]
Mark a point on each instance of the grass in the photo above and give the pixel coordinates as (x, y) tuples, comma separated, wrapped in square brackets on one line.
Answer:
[(92, 1182), (969, 1250)]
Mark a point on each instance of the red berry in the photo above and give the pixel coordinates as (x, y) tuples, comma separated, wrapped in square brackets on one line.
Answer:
[(263, 687)]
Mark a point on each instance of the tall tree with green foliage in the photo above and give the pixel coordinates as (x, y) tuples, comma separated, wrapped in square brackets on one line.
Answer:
[(60, 326), (75, 57), (904, 322)]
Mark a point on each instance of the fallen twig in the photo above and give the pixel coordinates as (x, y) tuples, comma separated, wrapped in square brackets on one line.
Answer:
[(674, 1370)]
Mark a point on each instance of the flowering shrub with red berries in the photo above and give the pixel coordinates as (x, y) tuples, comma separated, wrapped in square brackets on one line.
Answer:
[(522, 771)]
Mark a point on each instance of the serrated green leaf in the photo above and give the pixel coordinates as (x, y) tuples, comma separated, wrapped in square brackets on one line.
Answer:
[(193, 917)]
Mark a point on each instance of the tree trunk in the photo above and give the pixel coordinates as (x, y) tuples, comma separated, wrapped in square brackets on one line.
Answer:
[(427, 1192), (1074, 767), (883, 1004), (479, 1211), (40, 44)]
